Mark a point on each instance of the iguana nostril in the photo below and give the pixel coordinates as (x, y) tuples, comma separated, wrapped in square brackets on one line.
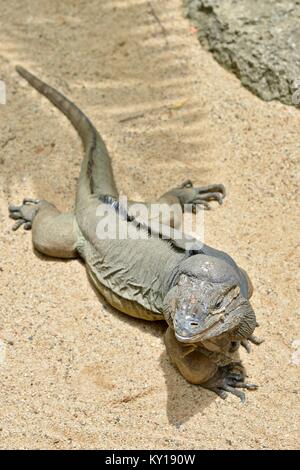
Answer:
[(194, 323)]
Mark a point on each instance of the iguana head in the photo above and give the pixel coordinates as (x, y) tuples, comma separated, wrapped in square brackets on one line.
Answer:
[(208, 298)]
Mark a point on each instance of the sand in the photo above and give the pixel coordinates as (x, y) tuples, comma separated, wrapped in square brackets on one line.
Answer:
[(74, 372)]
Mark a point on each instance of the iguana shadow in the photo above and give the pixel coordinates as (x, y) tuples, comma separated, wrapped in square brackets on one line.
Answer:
[(184, 400)]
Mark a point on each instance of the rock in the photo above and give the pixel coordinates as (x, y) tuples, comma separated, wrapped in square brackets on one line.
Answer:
[(296, 354), (2, 352), (258, 41)]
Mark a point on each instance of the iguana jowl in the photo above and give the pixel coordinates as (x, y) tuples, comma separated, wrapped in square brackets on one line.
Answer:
[(202, 294)]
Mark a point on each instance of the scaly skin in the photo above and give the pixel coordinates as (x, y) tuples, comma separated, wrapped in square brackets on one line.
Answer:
[(202, 294)]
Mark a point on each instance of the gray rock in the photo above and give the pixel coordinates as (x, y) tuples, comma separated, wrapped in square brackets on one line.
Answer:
[(258, 40), (296, 354)]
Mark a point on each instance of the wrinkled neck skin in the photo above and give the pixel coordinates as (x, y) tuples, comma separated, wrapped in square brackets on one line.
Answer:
[(207, 303)]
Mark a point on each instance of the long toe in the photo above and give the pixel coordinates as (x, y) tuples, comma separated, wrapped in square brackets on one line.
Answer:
[(200, 204), (15, 215), (235, 392), (246, 385), (245, 343), (30, 200), (186, 184), (13, 208), (212, 188), (256, 340), (221, 393), (18, 224), (209, 197), (27, 226)]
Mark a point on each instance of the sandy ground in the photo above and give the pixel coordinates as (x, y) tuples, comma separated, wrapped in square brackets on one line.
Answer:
[(75, 373)]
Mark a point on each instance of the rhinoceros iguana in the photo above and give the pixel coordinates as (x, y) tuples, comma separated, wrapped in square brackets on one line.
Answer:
[(200, 291)]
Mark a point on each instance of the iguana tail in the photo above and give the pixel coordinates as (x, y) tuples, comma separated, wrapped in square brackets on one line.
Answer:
[(96, 176)]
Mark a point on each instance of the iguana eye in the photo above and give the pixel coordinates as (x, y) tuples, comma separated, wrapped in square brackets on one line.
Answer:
[(223, 302), (218, 306)]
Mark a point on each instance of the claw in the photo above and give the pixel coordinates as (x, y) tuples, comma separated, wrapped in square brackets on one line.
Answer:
[(230, 379), (24, 214), (208, 193), (246, 385), (14, 215), (221, 393), (198, 203), (18, 224), (30, 200), (210, 197), (245, 343), (13, 208), (187, 184), (212, 188), (237, 393), (255, 340)]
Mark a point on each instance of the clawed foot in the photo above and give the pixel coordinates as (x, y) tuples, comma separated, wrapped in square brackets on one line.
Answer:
[(229, 379), (252, 339), (24, 214), (200, 196)]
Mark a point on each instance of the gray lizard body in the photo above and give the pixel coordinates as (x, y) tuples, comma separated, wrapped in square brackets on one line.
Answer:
[(201, 292)]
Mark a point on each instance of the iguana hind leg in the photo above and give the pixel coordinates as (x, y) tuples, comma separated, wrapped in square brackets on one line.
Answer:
[(172, 203), (186, 196), (53, 233), (186, 193)]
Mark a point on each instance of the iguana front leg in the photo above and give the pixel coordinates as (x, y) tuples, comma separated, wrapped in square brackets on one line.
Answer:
[(198, 369), (53, 233), (194, 366), (229, 379)]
